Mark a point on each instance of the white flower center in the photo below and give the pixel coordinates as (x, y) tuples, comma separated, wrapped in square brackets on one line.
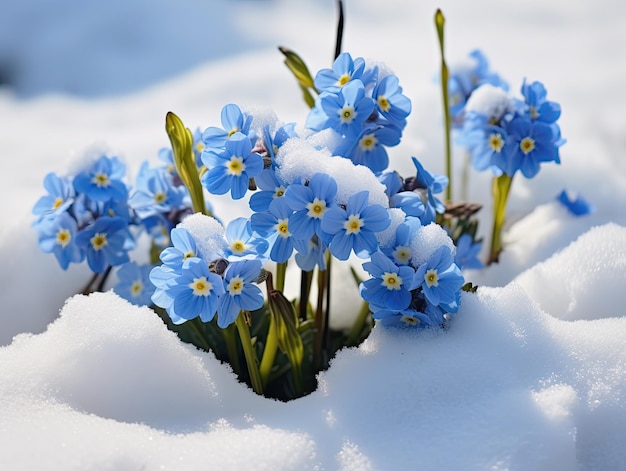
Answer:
[(431, 278), (236, 166)]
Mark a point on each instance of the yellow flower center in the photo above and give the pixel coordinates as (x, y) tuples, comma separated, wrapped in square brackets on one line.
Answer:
[(136, 288), (101, 180), (317, 208), (235, 285), (279, 191), (282, 227), (201, 286), (496, 143), (199, 146), (57, 202), (391, 281), (64, 237), (353, 224), (527, 145), (432, 278), (160, 197), (534, 114), (232, 131), (345, 78), (238, 247), (98, 241), (188, 255), (383, 103), (368, 142), (410, 320), (236, 166)]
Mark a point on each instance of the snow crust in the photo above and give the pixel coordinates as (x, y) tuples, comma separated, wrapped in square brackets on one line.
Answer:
[(531, 373)]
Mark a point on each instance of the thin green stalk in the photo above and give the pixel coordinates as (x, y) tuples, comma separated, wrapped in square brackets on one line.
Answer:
[(193, 323), (501, 188), (355, 333), (249, 353), (231, 347), (340, 22), (439, 23), (281, 270)]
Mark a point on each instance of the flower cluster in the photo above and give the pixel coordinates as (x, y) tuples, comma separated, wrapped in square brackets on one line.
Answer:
[(86, 217), (204, 275), (509, 135)]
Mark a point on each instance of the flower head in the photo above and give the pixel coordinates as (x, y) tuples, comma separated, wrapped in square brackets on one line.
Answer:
[(134, 283), (103, 180), (240, 291), (106, 242), (232, 168)]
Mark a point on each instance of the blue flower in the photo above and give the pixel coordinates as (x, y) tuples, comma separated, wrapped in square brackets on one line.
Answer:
[(184, 247), (309, 203), (344, 70), (194, 292), (59, 198), (106, 243), (233, 121), (240, 292), (161, 278), (103, 180), (315, 256), (348, 110), (431, 185), (390, 102), (274, 225), (271, 187), (390, 286), (57, 235), (232, 168), (485, 142), (440, 279), (399, 249), (368, 148), (467, 253), (134, 283), (428, 316), (530, 144), (575, 204), (539, 108), (242, 242), (155, 193), (355, 227)]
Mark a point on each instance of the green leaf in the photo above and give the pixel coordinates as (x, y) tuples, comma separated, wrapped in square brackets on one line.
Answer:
[(289, 340), (469, 287), (301, 72), (184, 158)]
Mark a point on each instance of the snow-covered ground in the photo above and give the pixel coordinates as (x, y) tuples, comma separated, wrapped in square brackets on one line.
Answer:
[(532, 372)]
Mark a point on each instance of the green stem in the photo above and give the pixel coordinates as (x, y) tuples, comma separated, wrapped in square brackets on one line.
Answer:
[(281, 270), (354, 336), (306, 278), (271, 341), (501, 188), (231, 346), (269, 352), (439, 23), (319, 319), (193, 323), (248, 350)]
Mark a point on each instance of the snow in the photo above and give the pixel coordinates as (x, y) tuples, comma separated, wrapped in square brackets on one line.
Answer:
[(531, 373)]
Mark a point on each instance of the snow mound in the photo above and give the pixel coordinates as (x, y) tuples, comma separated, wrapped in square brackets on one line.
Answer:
[(570, 284)]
